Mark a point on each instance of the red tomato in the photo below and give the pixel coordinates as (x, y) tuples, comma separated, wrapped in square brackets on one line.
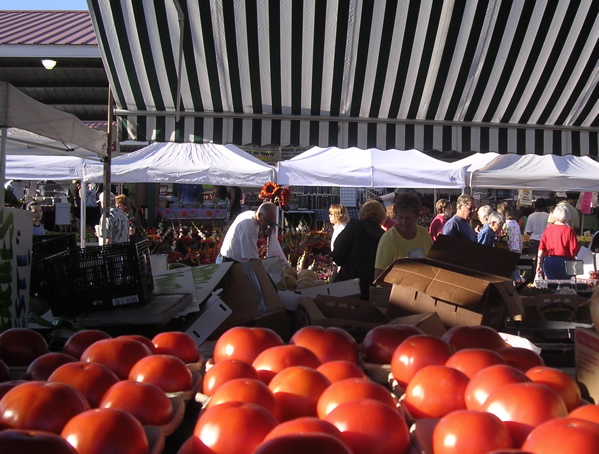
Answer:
[(340, 370), (246, 390), (297, 390), (559, 381), (225, 370), (470, 432), (20, 346), (6, 386), (178, 344), (522, 406), (381, 341), (90, 379), (193, 445), (416, 352), (79, 341), (488, 380), (521, 358), (42, 366), (471, 360), (328, 344), (435, 391), (563, 436), (301, 443), (304, 424), (371, 427), (234, 427), (167, 372), (350, 389), (143, 339), (118, 354), (244, 343), (33, 442), (104, 430), (275, 359), (462, 336), (588, 412), (4, 371), (145, 401), (38, 405)]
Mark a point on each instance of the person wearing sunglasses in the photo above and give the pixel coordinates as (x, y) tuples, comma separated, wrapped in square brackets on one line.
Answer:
[(240, 243), (459, 224)]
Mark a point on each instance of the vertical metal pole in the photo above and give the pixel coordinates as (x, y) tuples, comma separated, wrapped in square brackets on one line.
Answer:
[(107, 164)]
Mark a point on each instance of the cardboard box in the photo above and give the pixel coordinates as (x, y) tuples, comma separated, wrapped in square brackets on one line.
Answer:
[(349, 289), (430, 323), (245, 288), (253, 298), (355, 316), (586, 347), (466, 283)]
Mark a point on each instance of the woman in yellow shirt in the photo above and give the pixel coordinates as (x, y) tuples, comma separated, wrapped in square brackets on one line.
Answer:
[(406, 238)]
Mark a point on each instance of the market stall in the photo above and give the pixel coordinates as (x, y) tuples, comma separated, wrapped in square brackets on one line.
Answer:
[(372, 168)]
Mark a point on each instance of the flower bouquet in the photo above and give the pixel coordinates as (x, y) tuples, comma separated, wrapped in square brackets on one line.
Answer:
[(272, 192)]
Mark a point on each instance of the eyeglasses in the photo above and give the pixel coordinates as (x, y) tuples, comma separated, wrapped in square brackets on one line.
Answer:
[(272, 224)]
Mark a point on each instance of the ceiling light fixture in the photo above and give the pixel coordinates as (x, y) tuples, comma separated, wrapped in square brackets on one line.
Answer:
[(49, 64)]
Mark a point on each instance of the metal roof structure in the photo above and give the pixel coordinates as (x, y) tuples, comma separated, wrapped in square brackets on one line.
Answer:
[(78, 83), (511, 76)]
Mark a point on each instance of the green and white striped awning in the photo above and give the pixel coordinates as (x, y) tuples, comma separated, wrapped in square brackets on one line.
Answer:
[(472, 75)]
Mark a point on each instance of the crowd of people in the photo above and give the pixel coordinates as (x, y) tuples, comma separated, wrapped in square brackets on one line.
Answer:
[(365, 247)]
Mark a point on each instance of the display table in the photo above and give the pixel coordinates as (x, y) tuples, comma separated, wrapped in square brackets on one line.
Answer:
[(191, 213)]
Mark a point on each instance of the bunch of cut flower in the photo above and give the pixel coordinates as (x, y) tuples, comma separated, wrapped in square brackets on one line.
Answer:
[(188, 244)]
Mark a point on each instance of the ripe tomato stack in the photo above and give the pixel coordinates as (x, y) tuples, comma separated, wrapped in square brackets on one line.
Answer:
[(465, 392)]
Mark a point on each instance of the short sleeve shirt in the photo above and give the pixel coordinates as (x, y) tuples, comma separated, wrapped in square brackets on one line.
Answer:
[(393, 246)]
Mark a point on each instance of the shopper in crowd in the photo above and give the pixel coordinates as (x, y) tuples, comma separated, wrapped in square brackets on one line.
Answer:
[(488, 234), (338, 217), (482, 215), (356, 246), (240, 243), (124, 204), (117, 224), (523, 214), (536, 225), (426, 215), (190, 194), (562, 199), (36, 209), (235, 195), (558, 244), (220, 194), (459, 224), (444, 210), (511, 228), (92, 209), (407, 238)]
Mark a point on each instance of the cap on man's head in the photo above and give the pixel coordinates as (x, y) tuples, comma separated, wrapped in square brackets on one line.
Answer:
[(101, 197)]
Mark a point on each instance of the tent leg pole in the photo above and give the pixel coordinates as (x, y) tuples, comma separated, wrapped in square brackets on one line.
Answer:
[(3, 140)]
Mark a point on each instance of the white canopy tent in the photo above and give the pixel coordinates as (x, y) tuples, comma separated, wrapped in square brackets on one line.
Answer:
[(186, 163), (540, 172), (20, 111), (372, 168)]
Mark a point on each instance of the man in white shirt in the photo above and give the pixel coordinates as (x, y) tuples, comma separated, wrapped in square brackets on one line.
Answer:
[(535, 225), (241, 240)]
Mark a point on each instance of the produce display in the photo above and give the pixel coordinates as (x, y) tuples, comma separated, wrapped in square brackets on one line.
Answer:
[(400, 391)]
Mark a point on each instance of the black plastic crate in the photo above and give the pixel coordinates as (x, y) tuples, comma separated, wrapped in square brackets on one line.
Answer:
[(45, 246), (98, 278)]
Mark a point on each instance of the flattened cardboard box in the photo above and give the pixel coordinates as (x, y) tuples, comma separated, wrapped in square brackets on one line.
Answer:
[(466, 283), (586, 346), (355, 316)]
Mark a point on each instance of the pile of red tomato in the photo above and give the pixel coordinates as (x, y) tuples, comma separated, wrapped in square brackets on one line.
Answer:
[(466, 392)]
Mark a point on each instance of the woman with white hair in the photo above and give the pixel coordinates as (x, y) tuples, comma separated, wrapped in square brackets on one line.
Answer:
[(558, 244)]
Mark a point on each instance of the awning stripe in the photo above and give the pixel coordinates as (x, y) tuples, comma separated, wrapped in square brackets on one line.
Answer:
[(488, 75)]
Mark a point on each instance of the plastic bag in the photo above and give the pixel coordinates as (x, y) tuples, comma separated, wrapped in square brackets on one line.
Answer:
[(274, 249)]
